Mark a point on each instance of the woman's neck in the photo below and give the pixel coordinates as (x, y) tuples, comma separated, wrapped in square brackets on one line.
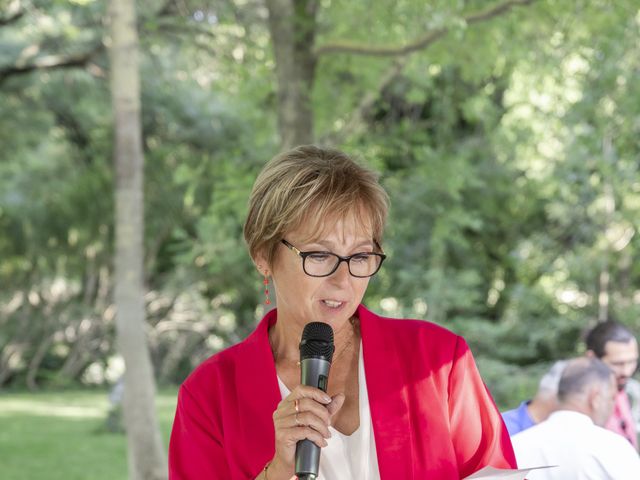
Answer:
[(285, 340)]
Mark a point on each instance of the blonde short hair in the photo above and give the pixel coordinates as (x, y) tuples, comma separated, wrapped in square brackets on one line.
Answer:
[(310, 185)]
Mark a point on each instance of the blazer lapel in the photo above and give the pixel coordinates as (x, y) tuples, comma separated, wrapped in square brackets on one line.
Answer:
[(258, 396), (387, 399)]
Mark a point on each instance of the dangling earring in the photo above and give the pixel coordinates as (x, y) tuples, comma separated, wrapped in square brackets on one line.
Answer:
[(267, 300)]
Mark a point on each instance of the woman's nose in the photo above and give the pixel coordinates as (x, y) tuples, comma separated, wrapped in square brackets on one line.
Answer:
[(341, 275)]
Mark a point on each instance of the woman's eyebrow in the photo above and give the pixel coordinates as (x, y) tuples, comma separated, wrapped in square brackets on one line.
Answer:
[(330, 245)]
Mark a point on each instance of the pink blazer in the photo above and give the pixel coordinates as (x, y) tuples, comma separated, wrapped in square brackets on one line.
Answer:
[(432, 416)]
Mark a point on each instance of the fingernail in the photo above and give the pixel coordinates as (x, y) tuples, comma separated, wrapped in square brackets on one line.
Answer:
[(327, 399)]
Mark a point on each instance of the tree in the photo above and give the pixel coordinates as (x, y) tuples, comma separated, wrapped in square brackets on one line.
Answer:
[(293, 27), (146, 457), (505, 132)]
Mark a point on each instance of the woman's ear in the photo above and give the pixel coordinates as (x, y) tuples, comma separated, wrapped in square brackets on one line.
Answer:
[(260, 261)]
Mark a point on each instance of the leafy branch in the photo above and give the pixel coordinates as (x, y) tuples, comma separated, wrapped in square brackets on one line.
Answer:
[(421, 43)]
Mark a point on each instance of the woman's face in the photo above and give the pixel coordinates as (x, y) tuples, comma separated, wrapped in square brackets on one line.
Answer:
[(332, 299)]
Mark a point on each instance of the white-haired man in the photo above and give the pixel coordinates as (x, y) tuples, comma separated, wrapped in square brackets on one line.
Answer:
[(573, 437)]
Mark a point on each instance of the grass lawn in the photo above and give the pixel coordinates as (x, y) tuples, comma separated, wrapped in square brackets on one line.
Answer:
[(60, 435)]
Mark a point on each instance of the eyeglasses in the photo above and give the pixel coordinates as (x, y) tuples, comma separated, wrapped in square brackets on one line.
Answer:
[(323, 264)]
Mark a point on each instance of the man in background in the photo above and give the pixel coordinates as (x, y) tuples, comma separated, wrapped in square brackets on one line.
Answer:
[(531, 412), (616, 346), (572, 437)]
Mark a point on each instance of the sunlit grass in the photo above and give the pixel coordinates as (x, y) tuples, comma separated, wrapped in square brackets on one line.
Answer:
[(62, 435)]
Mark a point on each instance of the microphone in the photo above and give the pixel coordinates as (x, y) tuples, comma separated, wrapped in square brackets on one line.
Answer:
[(316, 353)]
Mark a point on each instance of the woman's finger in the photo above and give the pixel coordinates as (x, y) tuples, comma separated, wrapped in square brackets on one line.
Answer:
[(308, 419), (305, 391), (310, 405), (291, 436), (303, 419), (336, 404), (298, 395)]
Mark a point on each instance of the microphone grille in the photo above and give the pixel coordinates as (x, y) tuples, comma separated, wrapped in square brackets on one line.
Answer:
[(317, 341)]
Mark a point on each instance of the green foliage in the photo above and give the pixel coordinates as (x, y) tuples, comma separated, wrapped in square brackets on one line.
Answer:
[(510, 384), (509, 148)]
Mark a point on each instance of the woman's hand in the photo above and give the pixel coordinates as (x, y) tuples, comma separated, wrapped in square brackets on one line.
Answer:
[(305, 413)]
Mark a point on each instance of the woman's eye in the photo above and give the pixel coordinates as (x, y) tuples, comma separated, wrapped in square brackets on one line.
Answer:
[(319, 257), (360, 258)]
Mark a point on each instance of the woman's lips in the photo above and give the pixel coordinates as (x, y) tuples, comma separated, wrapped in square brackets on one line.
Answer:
[(333, 303)]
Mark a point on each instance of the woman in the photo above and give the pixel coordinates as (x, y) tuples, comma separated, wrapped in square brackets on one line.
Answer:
[(404, 398)]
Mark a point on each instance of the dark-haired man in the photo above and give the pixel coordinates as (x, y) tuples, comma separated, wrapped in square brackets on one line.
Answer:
[(616, 346)]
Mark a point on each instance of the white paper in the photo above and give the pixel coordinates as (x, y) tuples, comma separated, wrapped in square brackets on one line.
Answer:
[(490, 473)]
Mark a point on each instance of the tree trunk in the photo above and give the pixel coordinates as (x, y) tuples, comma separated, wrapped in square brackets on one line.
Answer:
[(292, 24), (604, 279), (174, 356), (80, 354), (146, 455), (36, 361)]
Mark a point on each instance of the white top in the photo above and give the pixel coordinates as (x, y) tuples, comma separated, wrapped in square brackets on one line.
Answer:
[(349, 456), (582, 450)]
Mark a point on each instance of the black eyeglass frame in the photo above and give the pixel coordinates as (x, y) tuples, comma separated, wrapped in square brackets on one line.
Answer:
[(304, 255)]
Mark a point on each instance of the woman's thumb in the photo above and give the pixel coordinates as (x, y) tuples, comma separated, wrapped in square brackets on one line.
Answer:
[(336, 403)]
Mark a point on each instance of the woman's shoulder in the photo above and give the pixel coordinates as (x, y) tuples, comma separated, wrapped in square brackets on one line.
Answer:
[(420, 346), (215, 368), (227, 363), (409, 329)]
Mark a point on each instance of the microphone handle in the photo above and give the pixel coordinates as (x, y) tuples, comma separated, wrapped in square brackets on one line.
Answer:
[(314, 372)]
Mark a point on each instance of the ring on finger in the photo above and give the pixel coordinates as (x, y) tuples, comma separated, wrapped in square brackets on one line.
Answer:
[(295, 403)]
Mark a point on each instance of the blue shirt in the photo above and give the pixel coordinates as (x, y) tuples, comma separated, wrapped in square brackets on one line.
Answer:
[(518, 419)]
